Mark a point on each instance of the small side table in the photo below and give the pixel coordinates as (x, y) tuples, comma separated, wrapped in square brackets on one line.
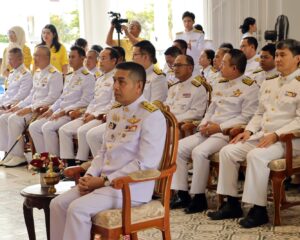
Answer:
[(38, 197)]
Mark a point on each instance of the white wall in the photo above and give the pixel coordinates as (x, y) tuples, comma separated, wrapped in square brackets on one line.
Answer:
[(228, 15)]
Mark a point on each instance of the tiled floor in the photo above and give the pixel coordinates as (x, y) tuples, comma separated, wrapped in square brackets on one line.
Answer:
[(183, 227)]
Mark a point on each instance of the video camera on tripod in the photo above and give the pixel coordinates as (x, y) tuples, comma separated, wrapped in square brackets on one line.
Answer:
[(117, 21)]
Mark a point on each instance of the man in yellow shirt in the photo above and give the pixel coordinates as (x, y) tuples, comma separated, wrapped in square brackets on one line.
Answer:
[(131, 37)]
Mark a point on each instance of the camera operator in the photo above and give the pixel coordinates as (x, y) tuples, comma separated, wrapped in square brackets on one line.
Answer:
[(131, 37)]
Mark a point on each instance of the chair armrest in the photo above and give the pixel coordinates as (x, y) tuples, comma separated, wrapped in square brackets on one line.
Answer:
[(188, 127), (287, 139), (234, 131), (74, 172), (142, 176)]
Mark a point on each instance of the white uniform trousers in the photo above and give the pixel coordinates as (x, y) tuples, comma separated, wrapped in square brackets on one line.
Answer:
[(199, 148), (70, 214), (94, 138), (11, 126), (257, 173), (66, 134), (44, 134)]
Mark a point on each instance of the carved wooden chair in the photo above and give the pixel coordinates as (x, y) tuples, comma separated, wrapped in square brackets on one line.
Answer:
[(280, 170), (110, 224)]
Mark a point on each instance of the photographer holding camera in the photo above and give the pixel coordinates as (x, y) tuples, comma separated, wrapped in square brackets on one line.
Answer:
[(132, 33)]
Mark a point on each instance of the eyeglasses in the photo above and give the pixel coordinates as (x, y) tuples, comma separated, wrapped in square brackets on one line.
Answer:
[(180, 65)]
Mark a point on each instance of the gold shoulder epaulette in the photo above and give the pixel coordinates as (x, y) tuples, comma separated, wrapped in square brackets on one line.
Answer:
[(277, 75), (222, 80), (69, 73), (149, 106), (116, 105), (85, 72), (196, 30), (248, 81), (23, 71), (197, 81), (98, 74), (179, 33), (257, 59), (298, 78), (52, 70), (158, 71), (213, 70), (258, 71)]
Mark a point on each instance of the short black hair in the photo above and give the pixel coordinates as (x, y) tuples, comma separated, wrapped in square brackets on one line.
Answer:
[(291, 44), (198, 27), (17, 51), (252, 41), (146, 47), (270, 48), (121, 52), (210, 55), (80, 50), (81, 42), (113, 53), (238, 58), (226, 45), (188, 14), (97, 48), (172, 51), (246, 24), (182, 43), (189, 59), (136, 71)]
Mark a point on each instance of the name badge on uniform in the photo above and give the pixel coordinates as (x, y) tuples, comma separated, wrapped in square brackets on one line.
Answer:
[(186, 95), (133, 120), (290, 94), (112, 125), (131, 128)]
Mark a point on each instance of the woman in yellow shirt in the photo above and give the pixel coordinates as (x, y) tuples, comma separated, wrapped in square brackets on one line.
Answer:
[(16, 36), (59, 56)]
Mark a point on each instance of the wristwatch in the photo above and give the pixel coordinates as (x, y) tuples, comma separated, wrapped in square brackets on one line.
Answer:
[(106, 181)]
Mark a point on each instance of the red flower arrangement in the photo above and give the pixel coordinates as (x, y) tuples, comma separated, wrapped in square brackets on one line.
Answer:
[(40, 163)]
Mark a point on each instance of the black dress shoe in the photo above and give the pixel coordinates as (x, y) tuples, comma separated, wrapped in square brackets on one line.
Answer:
[(181, 200), (226, 211), (198, 204), (257, 216)]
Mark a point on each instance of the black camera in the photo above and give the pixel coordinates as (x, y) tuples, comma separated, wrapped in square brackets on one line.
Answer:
[(117, 21)]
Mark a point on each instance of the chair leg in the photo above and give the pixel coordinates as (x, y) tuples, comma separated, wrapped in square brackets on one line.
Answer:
[(277, 183), (166, 234), (133, 236)]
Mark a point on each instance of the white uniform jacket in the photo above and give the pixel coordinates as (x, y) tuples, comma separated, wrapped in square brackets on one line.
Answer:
[(78, 91), (103, 95), (233, 102), (188, 99), (134, 140), (19, 86), (47, 87), (279, 107), (156, 87)]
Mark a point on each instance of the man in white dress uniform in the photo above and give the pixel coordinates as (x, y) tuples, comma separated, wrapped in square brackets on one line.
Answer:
[(134, 140), (278, 112)]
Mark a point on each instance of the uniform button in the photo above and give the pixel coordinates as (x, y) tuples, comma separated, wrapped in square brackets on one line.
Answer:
[(273, 109), (107, 162), (277, 97)]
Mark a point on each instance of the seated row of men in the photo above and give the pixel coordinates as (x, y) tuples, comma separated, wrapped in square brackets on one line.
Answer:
[(234, 101), (268, 111)]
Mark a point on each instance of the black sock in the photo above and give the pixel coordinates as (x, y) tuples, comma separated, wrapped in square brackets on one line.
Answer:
[(259, 207), (232, 200), (199, 197)]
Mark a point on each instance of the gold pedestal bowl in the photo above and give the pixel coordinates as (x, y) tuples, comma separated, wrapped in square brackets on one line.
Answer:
[(51, 179)]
